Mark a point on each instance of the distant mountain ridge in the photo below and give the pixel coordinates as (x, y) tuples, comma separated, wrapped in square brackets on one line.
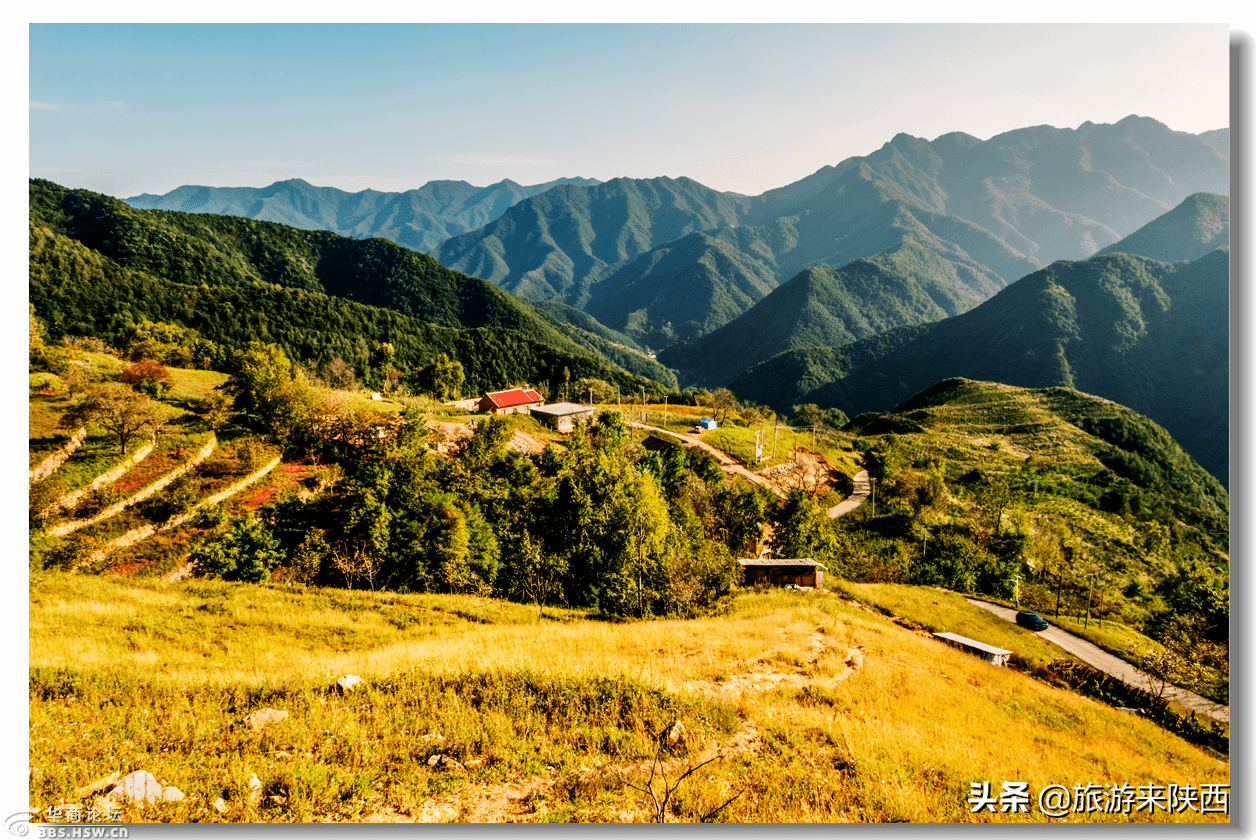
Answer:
[(419, 219), (995, 210), (1197, 226)]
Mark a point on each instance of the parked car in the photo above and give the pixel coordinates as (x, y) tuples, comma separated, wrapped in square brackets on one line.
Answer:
[(1033, 621)]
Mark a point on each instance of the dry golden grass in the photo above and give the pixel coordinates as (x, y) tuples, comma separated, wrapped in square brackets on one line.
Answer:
[(843, 715)]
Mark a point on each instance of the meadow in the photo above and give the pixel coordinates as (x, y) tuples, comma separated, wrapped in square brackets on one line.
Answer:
[(809, 707)]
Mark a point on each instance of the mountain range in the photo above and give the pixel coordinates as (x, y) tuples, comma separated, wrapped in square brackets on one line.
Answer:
[(856, 286), (420, 218), (665, 261)]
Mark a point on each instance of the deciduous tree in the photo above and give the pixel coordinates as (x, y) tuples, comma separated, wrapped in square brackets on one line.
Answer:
[(120, 409)]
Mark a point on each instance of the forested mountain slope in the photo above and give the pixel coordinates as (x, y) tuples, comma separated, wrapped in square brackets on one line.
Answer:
[(1198, 225), (97, 265), (994, 210), (1149, 335)]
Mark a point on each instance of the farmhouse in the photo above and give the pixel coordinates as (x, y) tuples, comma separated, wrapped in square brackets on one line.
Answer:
[(990, 653), (514, 401), (782, 571), (563, 416)]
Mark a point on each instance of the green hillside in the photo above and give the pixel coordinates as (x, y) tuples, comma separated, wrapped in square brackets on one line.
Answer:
[(1149, 335), (824, 306), (99, 266), (559, 243), (1198, 225), (684, 289)]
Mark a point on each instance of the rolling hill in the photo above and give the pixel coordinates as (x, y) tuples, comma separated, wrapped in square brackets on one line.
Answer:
[(98, 265), (1149, 335)]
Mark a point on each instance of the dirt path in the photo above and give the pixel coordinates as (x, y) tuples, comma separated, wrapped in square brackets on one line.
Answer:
[(727, 463), (158, 485), (1098, 658), (863, 489), (779, 478), (70, 500), (50, 464)]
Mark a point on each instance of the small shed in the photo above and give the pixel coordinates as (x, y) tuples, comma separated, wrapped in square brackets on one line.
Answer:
[(783, 571), (563, 416), (707, 423), (513, 401), (990, 653)]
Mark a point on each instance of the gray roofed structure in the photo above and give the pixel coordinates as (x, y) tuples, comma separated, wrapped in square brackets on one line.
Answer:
[(988, 652)]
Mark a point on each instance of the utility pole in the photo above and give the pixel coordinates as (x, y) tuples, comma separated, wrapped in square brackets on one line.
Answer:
[(1016, 590), (665, 411), (1089, 589), (776, 428)]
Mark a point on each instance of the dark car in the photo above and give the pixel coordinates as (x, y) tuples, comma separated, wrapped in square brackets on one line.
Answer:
[(1031, 620)]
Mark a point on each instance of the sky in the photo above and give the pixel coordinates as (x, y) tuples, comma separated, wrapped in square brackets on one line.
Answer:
[(125, 109)]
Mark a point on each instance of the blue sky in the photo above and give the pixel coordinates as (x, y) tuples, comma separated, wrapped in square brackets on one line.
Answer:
[(125, 108)]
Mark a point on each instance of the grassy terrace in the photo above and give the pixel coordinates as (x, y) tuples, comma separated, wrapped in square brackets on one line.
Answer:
[(825, 711)]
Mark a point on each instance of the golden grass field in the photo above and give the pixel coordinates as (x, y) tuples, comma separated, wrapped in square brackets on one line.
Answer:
[(812, 707)]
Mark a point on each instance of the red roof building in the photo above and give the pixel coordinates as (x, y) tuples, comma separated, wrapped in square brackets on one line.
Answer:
[(514, 401)]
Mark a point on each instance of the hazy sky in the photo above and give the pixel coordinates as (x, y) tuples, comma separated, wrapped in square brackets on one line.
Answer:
[(124, 109)]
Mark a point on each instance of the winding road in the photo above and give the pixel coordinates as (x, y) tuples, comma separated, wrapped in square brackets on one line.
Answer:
[(731, 465), (1098, 658)]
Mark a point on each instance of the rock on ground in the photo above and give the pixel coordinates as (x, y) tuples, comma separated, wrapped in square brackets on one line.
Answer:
[(349, 682), (142, 788), (263, 718)]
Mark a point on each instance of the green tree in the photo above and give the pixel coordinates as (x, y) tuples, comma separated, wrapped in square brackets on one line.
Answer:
[(247, 552), (119, 409), (536, 575), (443, 378), (310, 555), (795, 525), (994, 498), (723, 401)]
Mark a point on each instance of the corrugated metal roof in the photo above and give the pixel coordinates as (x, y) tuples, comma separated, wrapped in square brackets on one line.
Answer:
[(782, 561), (515, 396), (964, 640), (561, 409)]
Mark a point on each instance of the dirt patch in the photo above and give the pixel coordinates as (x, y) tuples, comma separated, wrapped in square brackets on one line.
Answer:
[(757, 681), (519, 801), (526, 443), (445, 438), (806, 469)]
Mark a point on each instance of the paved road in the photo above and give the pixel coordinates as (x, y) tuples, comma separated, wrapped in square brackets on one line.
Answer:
[(863, 489), (1109, 664)]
